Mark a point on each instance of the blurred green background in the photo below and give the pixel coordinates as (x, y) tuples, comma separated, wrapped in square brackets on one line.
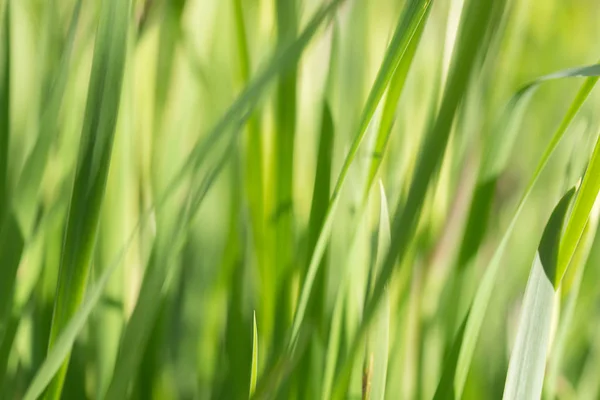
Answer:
[(239, 250)]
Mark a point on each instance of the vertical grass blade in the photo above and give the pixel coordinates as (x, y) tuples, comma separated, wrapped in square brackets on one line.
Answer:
[(254, 366), (410, 20), (528, 359), (581, 213), (92, 169), (4, 110)]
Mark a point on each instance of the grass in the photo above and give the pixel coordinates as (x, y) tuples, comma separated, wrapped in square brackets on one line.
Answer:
[(298, 199)]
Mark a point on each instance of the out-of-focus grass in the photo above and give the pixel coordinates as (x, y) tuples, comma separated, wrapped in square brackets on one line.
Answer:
[(211, 228)]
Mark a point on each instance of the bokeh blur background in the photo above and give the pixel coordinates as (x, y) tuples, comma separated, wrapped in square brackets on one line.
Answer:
[(228, 241)]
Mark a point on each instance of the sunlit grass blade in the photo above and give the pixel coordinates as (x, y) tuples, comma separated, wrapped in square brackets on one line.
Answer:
[(571, 285), (92, 169), (411, 19), (482, 296), (254, 366), (581, 213), (528, 358)]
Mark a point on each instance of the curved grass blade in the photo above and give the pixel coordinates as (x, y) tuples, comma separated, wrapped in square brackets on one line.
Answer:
[(580, 215), (412, 17), (575, 274), (481, 300), (254, 367), (528, 359), (92, 169)]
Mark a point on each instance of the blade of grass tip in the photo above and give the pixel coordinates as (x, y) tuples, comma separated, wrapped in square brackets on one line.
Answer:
[(92, 169), (578, 263), (378, 343), (580, 215), (410, 20), (527, 364), (254, 366), (26, 198), (391, 103), (472, 29), (479, 304), (4, 111)]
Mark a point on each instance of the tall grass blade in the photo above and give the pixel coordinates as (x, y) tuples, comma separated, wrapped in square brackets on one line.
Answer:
[(580, 215), (528, 359), (4, 110), (410, 20), (92, 169)]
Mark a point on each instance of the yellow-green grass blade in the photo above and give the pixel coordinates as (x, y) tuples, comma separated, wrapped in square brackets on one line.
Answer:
[(474, 319), (571, 285), (92, 169), (410, 20), (580, 215), (254, 366), (528, 358)]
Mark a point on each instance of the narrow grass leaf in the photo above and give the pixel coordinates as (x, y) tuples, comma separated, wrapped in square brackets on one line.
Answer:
[(479, 304), (254, 366), (92, 169), (580, 215), (528, 359), (410, 20), (4, 110)]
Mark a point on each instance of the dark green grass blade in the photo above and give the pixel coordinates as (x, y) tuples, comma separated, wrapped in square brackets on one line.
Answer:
[(11, 246), (412, 17), (92, 169)]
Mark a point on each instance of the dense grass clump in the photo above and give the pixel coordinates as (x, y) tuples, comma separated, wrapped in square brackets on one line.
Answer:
[(299, 199)]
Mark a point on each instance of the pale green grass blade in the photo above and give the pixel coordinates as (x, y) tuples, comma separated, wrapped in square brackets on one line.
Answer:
[(414, 13), (572, 289), (92, 169), (581, 213), (254, 366), (528, 358), (378, 343), (482, 297)]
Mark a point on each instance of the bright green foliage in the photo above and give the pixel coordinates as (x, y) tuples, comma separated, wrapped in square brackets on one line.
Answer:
[(194, 199)]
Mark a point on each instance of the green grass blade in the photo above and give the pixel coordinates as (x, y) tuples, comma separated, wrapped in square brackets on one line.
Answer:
[(482, 297), (414, 13), (378, 343), (4, 110), (528, 359), (92, 169), (581, 213), (11, 246), (254, 366), (61, 350), (28, 185)]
